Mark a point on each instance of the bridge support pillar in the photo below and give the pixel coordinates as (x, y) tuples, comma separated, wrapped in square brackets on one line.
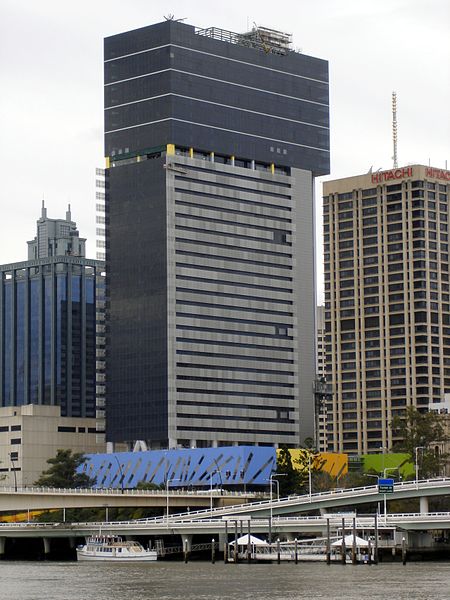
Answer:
[(186, 542), (223, 539), (2, 546), (72, 542), (423, 505), (46, 546)]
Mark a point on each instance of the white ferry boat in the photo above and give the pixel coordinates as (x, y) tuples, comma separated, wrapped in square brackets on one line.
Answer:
[(113, 548)]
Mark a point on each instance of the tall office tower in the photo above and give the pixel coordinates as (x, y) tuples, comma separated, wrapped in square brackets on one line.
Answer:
[(387, 301), (48, 308), (212, 140)]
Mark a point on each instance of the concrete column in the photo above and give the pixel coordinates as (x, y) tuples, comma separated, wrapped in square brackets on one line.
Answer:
[(72, 542), (187, 539), (2, 546), (423, 505), (46, 546), (222, 540)]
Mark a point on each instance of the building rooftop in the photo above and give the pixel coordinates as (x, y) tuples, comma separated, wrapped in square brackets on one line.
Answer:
[(260, 38)]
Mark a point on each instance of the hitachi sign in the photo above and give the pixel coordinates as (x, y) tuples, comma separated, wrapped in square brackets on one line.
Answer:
[(437, 173), (392, 174)]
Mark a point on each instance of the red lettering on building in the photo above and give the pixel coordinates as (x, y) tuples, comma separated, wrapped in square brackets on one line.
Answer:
[(392, 174), (437, 173)]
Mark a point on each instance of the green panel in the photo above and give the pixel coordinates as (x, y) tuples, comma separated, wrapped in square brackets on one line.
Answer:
[(379, 462)]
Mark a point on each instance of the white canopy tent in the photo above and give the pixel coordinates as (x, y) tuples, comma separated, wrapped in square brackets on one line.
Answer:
[(360, 543), (254, 541)]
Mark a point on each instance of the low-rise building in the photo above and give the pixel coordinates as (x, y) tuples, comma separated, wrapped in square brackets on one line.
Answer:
[(31, 434)]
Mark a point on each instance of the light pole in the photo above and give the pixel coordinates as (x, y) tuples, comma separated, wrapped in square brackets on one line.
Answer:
[(383, 448), (121, 473), (220, 475), (309, 476), (211, 490), (271, 481), (384, 475), (167, 498), (416, 451), (391, 469)]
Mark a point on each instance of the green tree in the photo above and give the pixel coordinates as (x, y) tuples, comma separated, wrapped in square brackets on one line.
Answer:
[(295, 472), (421, 430), (63, 471), (291, 479), (145, 485)]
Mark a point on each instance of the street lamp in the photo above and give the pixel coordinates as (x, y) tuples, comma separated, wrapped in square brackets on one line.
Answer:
[(416, 451), (271, 481), (121, 473), (220, 475), (168, 481), (309, 476), (384, 475), (106, 512), (391, 469), (383, 448), (211, 490)]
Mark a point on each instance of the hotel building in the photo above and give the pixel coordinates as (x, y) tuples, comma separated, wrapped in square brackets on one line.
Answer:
[(387, 301)]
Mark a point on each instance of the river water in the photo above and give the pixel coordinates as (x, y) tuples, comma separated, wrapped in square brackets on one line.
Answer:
[(202, 580)]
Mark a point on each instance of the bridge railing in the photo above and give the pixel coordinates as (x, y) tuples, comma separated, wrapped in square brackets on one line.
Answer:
[(127, 492), (362, 521), (306, 498)]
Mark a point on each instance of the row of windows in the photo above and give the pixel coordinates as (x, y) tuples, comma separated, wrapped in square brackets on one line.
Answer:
[(236, 296), (247, 356), (235, 284)]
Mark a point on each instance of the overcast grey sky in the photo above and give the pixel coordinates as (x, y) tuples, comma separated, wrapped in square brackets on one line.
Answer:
[(51, 75)]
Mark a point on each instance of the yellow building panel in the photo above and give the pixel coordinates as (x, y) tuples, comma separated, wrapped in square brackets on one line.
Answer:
[(333, 463)]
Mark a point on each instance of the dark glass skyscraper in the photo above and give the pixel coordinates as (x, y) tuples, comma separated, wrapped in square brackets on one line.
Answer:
[(49, 306), (212, 142)]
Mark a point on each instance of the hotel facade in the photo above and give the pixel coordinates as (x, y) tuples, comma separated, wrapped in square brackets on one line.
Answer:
[(387, 313)]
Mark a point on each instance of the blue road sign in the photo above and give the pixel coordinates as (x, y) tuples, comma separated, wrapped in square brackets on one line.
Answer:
[(385, 486)]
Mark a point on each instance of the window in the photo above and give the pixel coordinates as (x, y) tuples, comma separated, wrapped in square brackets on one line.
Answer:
[(15, 441)]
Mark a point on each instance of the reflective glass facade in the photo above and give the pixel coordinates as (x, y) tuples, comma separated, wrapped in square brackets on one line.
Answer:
[(168, 84), (48, 334)]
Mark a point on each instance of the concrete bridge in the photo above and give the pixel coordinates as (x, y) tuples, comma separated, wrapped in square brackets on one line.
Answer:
[(31, 498), (415, 528), (279, 517), (289, 526), (335, 499)]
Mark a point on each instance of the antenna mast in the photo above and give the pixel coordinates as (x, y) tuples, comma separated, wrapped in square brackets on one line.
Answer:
[(394, 128)]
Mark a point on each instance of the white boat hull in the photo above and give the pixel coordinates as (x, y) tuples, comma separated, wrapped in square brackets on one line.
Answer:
[(147, 557), (110, 548)]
